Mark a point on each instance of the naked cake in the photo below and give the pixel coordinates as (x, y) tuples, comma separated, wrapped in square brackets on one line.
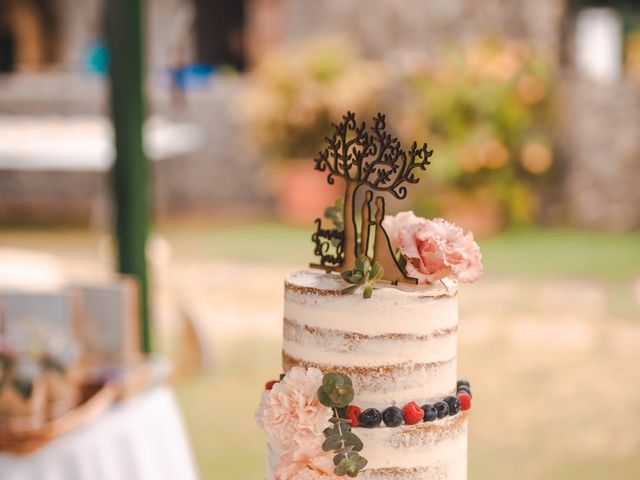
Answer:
[(369, 385)]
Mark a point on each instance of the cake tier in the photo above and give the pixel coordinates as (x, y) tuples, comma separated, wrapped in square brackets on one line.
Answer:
[(397, 346), (434, 451)]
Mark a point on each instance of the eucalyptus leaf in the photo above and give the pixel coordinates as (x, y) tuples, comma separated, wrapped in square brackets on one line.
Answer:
[(344, 450), (352, 440), (324, 398), (341, 467), (330, 382), (333, 442), (362, 462), (342, 396)]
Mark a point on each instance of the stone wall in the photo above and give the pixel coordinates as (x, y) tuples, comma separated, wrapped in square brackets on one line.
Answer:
[(385, 27), (599, 141)]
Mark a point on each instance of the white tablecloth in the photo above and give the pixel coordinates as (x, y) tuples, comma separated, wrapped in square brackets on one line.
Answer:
[(140, 439)]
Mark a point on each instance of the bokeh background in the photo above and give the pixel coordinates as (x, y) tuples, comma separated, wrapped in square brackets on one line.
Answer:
[(532, 109)]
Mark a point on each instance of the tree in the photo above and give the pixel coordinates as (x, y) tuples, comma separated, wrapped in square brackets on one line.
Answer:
[(374, 159)]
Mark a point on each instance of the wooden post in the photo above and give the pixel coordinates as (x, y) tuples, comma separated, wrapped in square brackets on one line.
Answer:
[(131, 192)]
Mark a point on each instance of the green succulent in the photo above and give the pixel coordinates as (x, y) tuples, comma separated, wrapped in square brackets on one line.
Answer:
[(362, 275)]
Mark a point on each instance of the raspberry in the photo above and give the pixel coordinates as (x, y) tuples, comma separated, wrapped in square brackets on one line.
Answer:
[(465, 401), (269, 385), (353, 414), (412, 413)]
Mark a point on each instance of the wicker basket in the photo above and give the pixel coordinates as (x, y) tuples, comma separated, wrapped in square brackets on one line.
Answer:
[(95, 400)]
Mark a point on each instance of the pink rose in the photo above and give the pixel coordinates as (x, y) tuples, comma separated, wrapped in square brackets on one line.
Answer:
[(435, 249), (307, 462), (290, 413)]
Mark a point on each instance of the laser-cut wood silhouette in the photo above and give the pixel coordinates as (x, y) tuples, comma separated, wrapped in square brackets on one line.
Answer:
[(375, 160)]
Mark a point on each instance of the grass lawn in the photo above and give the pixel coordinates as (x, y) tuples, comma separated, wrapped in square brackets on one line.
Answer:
[(535, 253)]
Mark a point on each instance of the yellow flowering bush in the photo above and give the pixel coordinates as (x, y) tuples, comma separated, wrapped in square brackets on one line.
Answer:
[(294, 94), (485, 109)]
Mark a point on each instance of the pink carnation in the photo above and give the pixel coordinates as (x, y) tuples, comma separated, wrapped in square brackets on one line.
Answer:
[(307, 462), (434, 249), (290, 413)]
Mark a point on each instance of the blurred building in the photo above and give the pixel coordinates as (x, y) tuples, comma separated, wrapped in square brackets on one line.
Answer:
[(53, 60)]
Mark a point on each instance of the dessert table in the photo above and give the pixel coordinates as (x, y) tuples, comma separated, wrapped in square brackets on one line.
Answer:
[(141, 438)]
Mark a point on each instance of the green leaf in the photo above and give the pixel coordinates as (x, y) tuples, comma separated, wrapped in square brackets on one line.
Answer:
[(351, 439), (324, 398), (349, 290), (342, 396), (338, 458), (333, 442), (342, 414), (361, 462), (363, 264), (402, 261), (368, 290), (376, 272), (350, 465), (330, 382), (352, 276)]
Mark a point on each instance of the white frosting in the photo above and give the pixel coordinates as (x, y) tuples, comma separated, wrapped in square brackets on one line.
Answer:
[(384, 448), (442, 450), (333, 351), (406, 309), (400, 344)]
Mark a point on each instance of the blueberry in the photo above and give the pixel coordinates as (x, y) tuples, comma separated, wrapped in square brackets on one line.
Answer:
[(453, 403), (466, 390), (430, 413), (442, 408), (370, 418), (392, 417), (464, 382)]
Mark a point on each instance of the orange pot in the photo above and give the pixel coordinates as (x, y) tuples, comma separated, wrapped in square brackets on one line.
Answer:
[(304, 193)]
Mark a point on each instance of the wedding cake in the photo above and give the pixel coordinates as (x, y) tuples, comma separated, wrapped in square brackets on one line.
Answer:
[(369, 386)]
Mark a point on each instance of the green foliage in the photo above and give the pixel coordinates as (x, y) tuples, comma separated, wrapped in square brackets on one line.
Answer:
[(350, 464), (291, 98), (336, 392), (486, 109), (362, 275)]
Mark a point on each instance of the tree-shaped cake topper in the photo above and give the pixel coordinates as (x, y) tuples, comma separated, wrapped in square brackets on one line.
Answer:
[(375, 160)]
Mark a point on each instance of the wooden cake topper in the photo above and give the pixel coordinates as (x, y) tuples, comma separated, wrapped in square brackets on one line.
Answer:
[(375, 160)]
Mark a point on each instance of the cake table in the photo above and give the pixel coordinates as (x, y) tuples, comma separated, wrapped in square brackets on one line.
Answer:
[(140, 438)]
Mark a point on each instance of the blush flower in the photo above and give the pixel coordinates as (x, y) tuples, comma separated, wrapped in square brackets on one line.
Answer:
[(434, 249), (307, 462), (290, 413)]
